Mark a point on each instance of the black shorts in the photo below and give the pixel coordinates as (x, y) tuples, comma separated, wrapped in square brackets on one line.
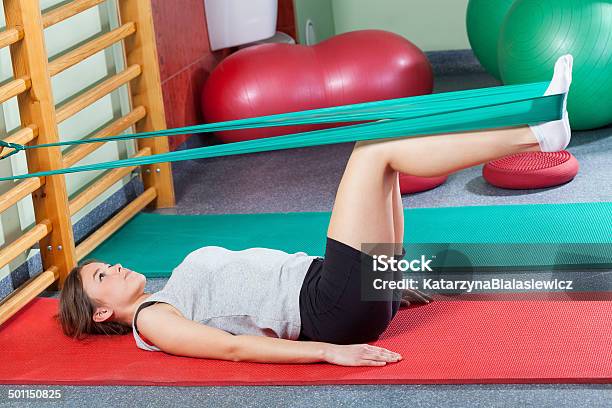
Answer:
[(331, 305)]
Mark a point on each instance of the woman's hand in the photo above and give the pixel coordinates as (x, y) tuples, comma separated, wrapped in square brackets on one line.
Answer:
[(359, 355), (413, 296)]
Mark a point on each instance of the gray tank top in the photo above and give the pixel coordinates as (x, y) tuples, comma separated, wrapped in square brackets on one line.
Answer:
[(254, 291)]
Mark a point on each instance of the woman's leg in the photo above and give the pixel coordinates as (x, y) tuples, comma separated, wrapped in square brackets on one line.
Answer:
[(398, 234), (398, 216), (366, 209)]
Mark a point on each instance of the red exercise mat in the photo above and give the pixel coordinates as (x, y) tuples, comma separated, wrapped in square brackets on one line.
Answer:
[(459, 341)]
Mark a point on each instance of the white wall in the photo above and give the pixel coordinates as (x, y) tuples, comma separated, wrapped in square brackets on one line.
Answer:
[(432, 25)]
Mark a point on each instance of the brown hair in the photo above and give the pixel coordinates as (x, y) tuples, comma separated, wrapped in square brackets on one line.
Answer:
[(76, 309)]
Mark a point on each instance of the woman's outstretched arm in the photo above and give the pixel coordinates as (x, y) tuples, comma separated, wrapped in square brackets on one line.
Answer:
[(177, 335), (273, 350)]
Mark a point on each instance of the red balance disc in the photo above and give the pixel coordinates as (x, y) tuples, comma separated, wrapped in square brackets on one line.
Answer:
[(531, 170)]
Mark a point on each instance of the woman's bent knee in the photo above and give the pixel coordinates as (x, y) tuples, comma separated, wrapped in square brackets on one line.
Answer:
[(372, 155)]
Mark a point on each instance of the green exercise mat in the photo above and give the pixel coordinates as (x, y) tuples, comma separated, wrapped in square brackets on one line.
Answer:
[(502, 235)]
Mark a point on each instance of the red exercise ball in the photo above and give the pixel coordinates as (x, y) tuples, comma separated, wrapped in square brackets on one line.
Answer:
[(358, 66)]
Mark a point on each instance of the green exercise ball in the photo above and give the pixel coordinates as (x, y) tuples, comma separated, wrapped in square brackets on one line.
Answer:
[(536, 32), (483, 20)]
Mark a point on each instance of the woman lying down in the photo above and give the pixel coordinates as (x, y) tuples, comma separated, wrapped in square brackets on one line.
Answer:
[(265, 305)]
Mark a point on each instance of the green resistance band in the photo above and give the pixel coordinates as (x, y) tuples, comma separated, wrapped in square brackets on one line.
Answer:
[(413, 116), (388, 109)]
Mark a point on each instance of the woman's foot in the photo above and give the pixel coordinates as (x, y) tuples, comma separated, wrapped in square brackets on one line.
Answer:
[(554, 136)]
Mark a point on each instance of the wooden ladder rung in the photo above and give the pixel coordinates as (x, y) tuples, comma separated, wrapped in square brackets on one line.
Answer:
[(21, 190), (112, 225), (79, 152), (90, 48), (103, 88), (22, 136), (24, 242), (103, 183), (67, 10), (13, 88), (27, 292), (10, 36)]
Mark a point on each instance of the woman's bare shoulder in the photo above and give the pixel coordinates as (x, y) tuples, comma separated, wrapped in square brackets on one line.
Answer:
[(159, 308), (149, 316)]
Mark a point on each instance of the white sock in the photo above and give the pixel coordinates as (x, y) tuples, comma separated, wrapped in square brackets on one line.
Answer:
[(554, 136)]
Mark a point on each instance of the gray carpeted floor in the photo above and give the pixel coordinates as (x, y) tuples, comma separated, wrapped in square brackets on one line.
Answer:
[(387, 396), (306, 180)]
